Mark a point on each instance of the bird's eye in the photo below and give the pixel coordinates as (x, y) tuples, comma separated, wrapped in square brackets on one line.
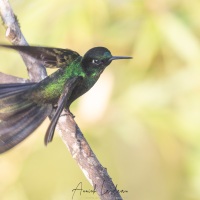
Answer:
[(96, 61)]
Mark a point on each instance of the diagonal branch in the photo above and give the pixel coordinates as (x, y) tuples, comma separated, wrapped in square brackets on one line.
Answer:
[(4, 78), (68, 129), (36, 71)]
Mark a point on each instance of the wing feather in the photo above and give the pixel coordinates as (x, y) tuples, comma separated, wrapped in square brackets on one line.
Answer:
[(71, 83), (49, 57)]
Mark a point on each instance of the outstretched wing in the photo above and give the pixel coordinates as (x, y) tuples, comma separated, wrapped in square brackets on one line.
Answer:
[(7, 89), (49, 57), (19, 117), (69, 86)]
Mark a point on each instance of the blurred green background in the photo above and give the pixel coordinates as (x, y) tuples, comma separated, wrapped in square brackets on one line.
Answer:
[(142, 118)]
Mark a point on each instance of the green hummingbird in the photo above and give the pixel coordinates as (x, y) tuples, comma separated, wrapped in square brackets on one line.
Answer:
[(24, 106)]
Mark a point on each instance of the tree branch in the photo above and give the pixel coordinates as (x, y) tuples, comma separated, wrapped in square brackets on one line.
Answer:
[(69, 131), (36, 71), (4, 78)]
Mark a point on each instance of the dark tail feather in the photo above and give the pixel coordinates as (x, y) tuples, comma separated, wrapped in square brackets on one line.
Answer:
[(19, 117)]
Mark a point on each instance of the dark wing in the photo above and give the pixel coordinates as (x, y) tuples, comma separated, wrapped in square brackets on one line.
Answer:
[(11, 88), (69, 86), (19, 117), (21, 125), (49, 57)]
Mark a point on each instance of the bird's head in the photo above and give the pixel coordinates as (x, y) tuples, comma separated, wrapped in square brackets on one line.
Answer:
[(97, 59)]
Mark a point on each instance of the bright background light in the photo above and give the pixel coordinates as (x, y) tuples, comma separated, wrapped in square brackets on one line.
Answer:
[(142, 118)]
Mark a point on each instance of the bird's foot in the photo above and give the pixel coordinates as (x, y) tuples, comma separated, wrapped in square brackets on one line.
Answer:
[(67, 112)]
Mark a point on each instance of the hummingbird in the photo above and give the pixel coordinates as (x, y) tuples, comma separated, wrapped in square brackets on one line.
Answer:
[(24, 106)]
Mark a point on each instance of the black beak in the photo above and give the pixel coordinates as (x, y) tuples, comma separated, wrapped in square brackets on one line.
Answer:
[(119, 57)]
